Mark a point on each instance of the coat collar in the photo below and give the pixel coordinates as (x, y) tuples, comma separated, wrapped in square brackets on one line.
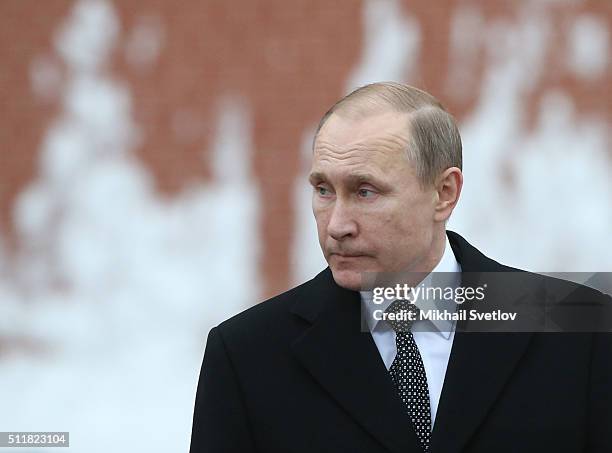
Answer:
[(344, 360), (342, 357)]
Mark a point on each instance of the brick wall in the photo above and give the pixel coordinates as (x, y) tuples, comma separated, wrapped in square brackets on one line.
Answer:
[(287, 60)]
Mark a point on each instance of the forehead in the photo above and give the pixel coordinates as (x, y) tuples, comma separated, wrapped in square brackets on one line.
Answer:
[(374, 141), (344, 128)]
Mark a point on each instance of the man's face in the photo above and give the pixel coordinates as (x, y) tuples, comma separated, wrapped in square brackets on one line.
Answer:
[(372, 215)]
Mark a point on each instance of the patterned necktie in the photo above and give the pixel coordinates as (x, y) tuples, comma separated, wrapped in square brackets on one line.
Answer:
[(408, 372)]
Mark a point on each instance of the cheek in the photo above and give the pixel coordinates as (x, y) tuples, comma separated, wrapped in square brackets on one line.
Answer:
[(393, 232), (382, 233), (321, 218)]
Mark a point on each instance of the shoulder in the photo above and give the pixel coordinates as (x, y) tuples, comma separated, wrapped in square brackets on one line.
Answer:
[(473, 260)]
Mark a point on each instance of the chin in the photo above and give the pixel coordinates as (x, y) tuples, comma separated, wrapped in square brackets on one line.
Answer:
[(348, 279)]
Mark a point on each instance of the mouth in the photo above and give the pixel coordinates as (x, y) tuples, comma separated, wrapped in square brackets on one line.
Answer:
[(347, 255)]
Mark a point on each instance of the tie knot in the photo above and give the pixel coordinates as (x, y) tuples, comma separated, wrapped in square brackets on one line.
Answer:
[(401, 314)]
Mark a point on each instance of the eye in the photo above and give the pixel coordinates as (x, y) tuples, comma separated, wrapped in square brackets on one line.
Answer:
[(366, 193), (322, 191)]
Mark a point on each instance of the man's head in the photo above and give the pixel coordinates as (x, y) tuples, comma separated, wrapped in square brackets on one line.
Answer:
[(386, 174)]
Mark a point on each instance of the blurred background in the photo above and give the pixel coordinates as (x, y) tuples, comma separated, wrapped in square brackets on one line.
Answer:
[(152, 174)]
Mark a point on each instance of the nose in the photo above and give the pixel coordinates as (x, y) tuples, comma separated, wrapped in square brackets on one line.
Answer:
[(341, 223)]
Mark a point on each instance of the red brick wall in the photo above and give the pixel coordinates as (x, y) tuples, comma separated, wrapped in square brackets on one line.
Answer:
[(289, 60)]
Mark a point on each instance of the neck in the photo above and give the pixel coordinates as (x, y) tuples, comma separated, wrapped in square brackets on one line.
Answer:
[(436, 251)]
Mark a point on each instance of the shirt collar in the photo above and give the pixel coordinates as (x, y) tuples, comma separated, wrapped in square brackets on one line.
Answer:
[(448, 269)]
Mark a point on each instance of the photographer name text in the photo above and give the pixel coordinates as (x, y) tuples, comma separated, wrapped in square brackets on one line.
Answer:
[(442, 315)]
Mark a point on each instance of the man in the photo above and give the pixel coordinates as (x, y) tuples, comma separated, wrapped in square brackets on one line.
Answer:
[(297, 373)]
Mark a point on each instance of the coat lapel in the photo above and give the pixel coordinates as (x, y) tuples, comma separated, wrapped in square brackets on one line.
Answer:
[(345, 361), (480, 365)]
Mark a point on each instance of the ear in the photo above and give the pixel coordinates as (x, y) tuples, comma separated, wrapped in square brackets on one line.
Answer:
[(448, 189)]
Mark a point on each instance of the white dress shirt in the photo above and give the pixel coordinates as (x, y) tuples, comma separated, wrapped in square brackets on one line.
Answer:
[(433, 338)]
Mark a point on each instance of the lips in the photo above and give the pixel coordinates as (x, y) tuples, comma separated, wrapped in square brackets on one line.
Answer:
[(347, 255)]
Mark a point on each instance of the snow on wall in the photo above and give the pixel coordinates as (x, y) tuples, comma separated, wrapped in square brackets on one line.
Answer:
[(117, 284), (557, 208)]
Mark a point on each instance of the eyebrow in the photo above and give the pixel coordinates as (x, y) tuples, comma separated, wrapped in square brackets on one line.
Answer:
[(316, 176), (354, 178)]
